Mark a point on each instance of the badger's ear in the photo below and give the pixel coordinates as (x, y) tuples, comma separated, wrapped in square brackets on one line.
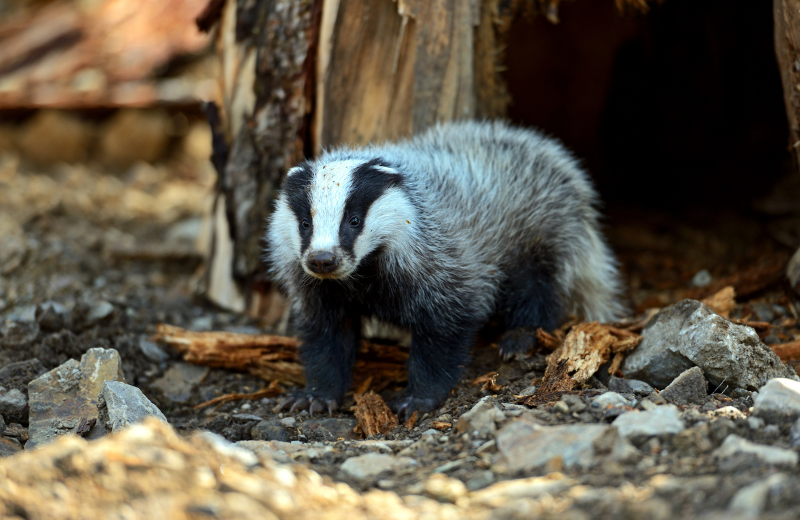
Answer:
[(385, 169)]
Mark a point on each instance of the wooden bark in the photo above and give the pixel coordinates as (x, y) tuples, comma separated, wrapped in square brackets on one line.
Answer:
[(301, 75), (787, 51)]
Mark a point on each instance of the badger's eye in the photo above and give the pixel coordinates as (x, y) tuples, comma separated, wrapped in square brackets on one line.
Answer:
[(306, 224), (355, 221)]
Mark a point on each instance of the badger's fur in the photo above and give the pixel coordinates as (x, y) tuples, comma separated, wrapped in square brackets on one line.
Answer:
[(437, 234)]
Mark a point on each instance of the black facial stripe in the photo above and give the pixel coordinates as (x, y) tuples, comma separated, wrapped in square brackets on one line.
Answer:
[(296, 192), (367, 186)]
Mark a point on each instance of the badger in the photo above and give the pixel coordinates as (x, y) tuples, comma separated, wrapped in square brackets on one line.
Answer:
[(439, 234)]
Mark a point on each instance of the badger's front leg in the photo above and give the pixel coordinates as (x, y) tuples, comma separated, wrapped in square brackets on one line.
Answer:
[(435, 365), (328, 350)]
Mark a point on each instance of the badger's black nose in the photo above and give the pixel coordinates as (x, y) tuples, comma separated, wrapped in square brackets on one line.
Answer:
[(322, 262)]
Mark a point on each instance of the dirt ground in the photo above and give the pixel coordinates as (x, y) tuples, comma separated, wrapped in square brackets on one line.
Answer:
[(73, 237)]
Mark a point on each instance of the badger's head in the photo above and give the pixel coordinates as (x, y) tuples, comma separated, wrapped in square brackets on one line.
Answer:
[(330, 215)]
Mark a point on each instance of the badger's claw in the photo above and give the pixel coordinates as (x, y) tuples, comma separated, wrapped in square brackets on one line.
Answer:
[(516, 341), (299, 401), (406, 407)]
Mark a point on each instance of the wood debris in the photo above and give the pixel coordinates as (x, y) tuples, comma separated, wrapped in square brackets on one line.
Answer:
[(441, 426), (275, 358), (270, 391), (550, 341), (372, 414), (585, 349), (747, 281), (488, 382), (411, 422), (788, 352), (722, 302)]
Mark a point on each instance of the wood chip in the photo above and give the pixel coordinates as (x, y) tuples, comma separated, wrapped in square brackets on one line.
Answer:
[(548, 340), (722, 302), (411, 422), (787, 351), (585, 349), (488, 382), (439, 425), (372, 414), (271, 391)]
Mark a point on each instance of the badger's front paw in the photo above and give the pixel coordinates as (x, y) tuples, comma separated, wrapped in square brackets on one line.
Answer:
[(298, 401), (517, 341), (406, 407)]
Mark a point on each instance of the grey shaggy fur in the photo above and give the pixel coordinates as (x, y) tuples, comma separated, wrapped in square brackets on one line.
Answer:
[(478, 203)]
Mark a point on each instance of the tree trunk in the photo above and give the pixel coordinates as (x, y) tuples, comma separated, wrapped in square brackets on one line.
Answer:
[(787, 51), (302, 75)]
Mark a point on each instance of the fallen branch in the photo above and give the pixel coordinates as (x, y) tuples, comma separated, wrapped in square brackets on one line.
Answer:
[(788, 352), (271, 391), (275, 358)]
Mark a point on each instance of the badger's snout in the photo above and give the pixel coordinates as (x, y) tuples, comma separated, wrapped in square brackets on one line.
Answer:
[(322, 262)]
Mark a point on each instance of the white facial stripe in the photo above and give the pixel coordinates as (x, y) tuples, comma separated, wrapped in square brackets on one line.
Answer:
[(293, 171), (284, 237), (386, 169), (390, 219), (328, 194)]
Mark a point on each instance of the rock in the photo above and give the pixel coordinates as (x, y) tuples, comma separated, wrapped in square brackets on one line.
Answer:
[(51, 316), (366, 467), (793, 271), (689, 334), (750, 500), (607, 399), (121, 405), (444, 489), (480, 420), (331, 428), (778, 401), (17, 334), (288, 422), (688, 388), (629, 386), (66, 397), (18, 375), (228, 449), (9, 447), (152, 351), (736, 452), (728, 412), (14, 405), (500, 494), (659, 422), (480, 480), (179, 380), (269, 431), (524, 446), (794, 434)]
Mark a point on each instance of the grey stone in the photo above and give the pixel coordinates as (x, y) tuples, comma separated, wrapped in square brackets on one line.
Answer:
[(778, 401), (152, 351), (688, 388), (16, 334), (689, 334), (607, 399), (14, 405), (480, 480), (179, 380), (18, 375), (51, 316), (659, 422), (121, 405), (736, 452), (366, 467), (98, 312), (701, 278), (331, 428), (750, 500), (525, 446), (793, 271), (629, 386), (481, 420), (763, 311), (9, 447), (288, 422), (269, 431), (505, 492), (225, 447), (754, 423), (66, 397), (794, 434)]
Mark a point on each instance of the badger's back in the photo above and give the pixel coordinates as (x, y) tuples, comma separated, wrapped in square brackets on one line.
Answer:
[(510, 196)]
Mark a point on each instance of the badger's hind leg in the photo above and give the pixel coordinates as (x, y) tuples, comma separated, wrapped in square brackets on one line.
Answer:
[(530, 300)]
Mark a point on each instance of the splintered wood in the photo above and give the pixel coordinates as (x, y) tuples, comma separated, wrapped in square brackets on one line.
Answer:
[(722, 302), (584, 350), (275, 358), (372, 414)]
